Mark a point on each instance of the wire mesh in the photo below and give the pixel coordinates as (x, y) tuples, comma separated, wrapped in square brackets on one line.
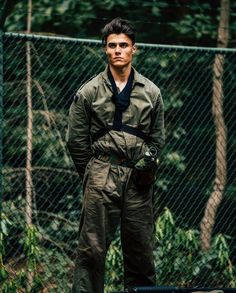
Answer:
[(185, 181)]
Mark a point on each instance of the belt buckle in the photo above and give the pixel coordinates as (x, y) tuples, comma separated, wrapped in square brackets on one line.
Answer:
[(120, 160)]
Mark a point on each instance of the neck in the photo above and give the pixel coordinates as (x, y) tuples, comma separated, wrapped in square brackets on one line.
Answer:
[(120, 75)]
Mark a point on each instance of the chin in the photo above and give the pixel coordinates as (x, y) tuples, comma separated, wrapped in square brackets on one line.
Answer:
[(119, 64)]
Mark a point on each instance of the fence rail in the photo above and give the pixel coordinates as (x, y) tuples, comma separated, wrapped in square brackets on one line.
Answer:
[(39, 220)]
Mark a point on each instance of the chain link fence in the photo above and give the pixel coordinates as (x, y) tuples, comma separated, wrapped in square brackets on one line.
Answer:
[(42, 193)]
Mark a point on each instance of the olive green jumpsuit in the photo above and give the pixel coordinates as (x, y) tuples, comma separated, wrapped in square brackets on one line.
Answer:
[(111, 195)]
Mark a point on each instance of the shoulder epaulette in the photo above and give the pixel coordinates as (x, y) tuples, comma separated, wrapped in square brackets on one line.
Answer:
[(88, 80)]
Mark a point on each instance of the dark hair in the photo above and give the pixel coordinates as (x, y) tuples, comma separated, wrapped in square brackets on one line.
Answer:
[(118, 26)]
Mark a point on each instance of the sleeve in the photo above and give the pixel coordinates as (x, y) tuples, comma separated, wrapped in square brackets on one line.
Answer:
[(157, 131), (78, 135)]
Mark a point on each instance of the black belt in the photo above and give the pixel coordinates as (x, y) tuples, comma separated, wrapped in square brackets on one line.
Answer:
[(124, 128)]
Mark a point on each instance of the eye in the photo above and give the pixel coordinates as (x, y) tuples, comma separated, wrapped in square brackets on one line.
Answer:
[(112, 45), (124, 45)]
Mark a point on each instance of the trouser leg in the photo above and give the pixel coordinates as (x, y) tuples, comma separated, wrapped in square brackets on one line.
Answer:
[(101, 214), (137, 229)]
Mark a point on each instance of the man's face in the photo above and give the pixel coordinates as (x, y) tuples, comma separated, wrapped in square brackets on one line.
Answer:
[(119, 50)]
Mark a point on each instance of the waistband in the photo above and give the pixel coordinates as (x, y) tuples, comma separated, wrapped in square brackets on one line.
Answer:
[(114, 159)]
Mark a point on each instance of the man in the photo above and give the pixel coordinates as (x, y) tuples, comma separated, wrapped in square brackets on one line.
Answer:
[(115, 119)]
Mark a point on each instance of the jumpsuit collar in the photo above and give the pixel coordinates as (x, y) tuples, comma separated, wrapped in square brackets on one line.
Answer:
[(137, 80)]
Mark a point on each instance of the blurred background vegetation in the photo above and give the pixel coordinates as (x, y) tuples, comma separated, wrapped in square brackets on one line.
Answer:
[(177, 22)]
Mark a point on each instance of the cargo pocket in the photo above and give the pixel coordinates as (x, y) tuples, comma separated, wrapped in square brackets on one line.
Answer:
[(98, 174), (85, 179)]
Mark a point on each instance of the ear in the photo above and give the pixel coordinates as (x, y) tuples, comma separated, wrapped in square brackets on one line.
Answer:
[(134, 49)]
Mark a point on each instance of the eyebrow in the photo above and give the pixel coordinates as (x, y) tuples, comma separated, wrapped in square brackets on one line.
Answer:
[(119, 43)]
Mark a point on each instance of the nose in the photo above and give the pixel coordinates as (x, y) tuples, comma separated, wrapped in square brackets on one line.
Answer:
[(117, 49)]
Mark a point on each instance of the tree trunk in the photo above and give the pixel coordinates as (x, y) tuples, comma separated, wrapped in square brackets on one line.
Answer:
[(28, 170), (208, 221)]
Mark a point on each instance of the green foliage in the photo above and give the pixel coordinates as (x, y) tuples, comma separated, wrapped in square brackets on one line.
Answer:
[(4, 222), (55, 269), (180, 262), (164, 21), (114, 266), (31, 248), (12, 283), (178, 258), (176, 159), (175, 252), (199, 25), (45, 266)]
